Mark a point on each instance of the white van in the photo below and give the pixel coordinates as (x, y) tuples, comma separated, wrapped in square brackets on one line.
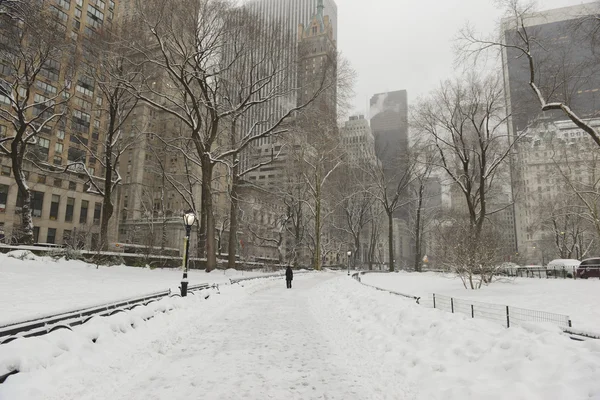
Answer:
[(569, 266)]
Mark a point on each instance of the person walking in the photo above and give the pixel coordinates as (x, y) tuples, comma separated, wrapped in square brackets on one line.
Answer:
[(289, 275)]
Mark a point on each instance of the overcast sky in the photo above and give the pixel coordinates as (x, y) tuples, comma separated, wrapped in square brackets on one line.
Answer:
[(407, 44)]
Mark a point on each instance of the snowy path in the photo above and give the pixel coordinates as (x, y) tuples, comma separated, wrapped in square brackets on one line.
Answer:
[(269, 346), (327, 338)]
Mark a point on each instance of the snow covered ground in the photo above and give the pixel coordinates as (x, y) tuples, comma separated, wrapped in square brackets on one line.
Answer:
[(42, 285), (579, 299), (327, 338)]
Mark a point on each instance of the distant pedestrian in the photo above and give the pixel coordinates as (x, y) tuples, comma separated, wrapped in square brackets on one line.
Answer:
[(289, 275)]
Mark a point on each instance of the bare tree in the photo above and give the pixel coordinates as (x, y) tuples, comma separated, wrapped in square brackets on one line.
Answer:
[(466, 121), (552, 80), (354, 205), (30, 50), (422, 212), (389, 188), (198, 45), (114, 75), (14, 9), (320, 160)]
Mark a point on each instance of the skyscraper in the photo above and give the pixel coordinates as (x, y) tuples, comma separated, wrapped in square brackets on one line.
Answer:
[(311, 25), (565, 65), (389, 124), (291, 13)]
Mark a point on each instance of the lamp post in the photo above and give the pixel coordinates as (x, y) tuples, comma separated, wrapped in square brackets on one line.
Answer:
[(349, 254), (188, 220)]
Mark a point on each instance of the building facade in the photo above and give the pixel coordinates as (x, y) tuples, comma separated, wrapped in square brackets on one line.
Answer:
[(313, 26), (358, 142), (65, 211), (389, 124), (561, 47), (559, 167)]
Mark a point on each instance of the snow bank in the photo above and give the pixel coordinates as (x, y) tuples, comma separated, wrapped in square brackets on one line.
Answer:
[(70, 365), (437, 355), (579, 299), (37, 286)]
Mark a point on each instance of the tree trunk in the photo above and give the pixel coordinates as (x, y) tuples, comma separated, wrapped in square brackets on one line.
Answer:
[(26, 234), (317, 260), (207, 214), (107, 212), (418, 254), (107, 205), (356, 248), (391, 240), (233, 220)]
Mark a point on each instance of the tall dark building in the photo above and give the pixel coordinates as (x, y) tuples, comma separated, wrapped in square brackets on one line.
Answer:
[(389, 124), (566, 65)]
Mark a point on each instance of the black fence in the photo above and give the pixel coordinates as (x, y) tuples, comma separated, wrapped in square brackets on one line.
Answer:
[(553, 272), (506, 315), (542, 272)]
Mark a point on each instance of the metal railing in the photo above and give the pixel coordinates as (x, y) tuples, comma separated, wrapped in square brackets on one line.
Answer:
[(356, 276), (48, 323), (507, 315), (69, 319)]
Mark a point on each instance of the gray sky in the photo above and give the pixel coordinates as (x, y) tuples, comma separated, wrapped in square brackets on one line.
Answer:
[(407, 44)]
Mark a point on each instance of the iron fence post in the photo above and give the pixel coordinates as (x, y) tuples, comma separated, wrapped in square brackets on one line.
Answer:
[(570, 324), (472, 311), (434, 300), (507, 318), (452, 304)]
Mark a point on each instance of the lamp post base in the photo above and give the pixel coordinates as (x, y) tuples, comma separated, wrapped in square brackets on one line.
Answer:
[(184, 286)]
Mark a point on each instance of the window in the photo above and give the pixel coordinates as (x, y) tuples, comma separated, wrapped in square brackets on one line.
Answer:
[(50, 70), (97, 212), (58, 148), (58, 182), (77, 13), (70, 209), (46, 87), (2, 131), (67, 236), (86, 105), (76, 155), (92, 171), (36, 234), (57, 160), (85, 84), (3, 197), (60, 134), (83, 212), (37, 202), (59, 13), (45, 143), (72, 185), (54, 207), (5, 171), (51, 238)]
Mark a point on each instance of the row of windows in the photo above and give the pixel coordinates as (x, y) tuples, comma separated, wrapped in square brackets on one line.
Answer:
[(37, 206)]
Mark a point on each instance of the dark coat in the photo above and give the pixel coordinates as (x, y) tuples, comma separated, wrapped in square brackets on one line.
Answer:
[(289, 274)]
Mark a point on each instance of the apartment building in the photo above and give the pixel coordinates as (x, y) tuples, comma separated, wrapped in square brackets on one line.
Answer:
[(64, 210)]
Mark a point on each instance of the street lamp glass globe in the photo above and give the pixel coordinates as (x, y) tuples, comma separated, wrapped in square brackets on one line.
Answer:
[(189, 218), (349, 253)]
